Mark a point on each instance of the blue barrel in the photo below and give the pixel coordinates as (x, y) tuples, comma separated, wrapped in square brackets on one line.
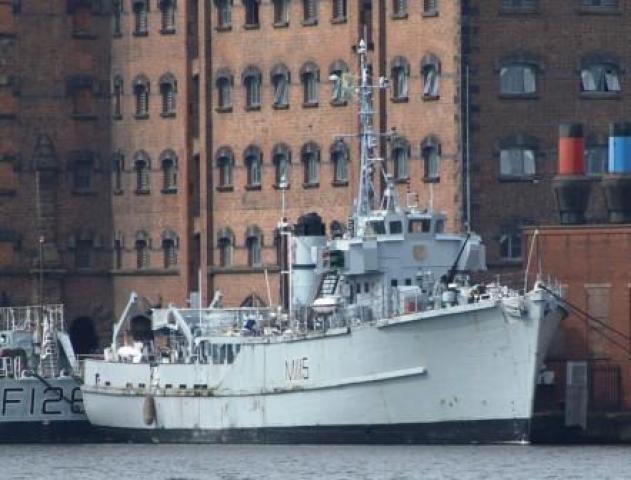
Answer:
[(620, 148)]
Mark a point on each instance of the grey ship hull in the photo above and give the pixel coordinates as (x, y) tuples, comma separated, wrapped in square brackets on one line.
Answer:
[(34, 412), (461, 375)]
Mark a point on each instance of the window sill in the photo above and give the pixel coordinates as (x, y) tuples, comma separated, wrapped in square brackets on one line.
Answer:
[(117, 191), (598, 10), (168, 31), (142, 192), (431, 98), (8, 192), (518, 96), (141, 116), (399, 99), (340, 183), (117, 117), (402, 180), (312, 22), (223, 109), (223, 28), (310, 104), (83, 192), (516, 179), (430, 14), (431, 179), (117, 35), (253, 188), (8, 115), (252, 26), (83, 35), (600, 95), (253, 108), (167, 114), (399, 16), (281, 107), (84, 116), (276, 186), (224, 188), (338, 103), (511, 261), (140, 34), (311, 185), (169, 191), (339, 20), (280, 24)]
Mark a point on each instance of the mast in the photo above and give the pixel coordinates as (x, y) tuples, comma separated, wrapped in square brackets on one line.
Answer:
[(363, 203)]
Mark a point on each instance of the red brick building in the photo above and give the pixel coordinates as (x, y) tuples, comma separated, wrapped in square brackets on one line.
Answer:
[(160, 130)]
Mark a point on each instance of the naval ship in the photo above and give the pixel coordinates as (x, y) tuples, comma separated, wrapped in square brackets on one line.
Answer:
[(380, 338), (40, 399)]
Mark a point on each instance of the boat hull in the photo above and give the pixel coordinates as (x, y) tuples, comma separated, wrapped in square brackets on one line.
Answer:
[(32, 411), (466, 375), (455, 432)]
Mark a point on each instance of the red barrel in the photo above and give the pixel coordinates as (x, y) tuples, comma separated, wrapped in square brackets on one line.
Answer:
[(571, 149)]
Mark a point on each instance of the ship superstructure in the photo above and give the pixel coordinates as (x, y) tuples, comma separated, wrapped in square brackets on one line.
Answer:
[(379, 338)]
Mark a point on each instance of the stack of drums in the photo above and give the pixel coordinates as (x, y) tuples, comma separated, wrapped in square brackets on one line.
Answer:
[(572, 187), (617, 183)]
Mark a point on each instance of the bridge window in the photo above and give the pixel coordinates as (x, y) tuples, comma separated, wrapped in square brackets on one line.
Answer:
[(420, 226)]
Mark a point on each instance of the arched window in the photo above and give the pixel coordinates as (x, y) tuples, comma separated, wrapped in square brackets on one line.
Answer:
[(430, 151), (225, 245), (281, 13), (142, 165), (119, 245), (400, 153), (253, 244), (117, 13), (600, 74), (252, 301), (225, 164), (339, 160), (224, 14), (141, 92), (83, 243), (118, 166), (141, 21), (82, 164), (310, 156), (279, 77), (518, 74), (251, 13), (430, 7), (168, 89), (251, 78), (168, 161), (309, 12), (82, 89), (142, 245), (399, 8), (117, 97), (400, 73), (310, 77), (167, 13), (338, 74), (518, 157), (169, 248), (338, 11), (281, 157), (430, 72), (224, 82), (253, 159)]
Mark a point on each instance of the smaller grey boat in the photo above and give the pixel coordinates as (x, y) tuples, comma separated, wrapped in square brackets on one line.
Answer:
[(40, 399)]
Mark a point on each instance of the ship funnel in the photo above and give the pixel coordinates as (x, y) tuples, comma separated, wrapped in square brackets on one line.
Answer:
[(571, 187), (617, 183)]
